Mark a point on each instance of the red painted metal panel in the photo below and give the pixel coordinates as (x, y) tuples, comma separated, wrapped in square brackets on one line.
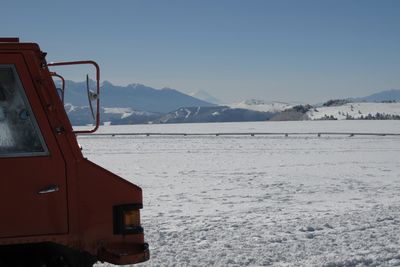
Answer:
[(80, 213), (25, 212), (9, 40)]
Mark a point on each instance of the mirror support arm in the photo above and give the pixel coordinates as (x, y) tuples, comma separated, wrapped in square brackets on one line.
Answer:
[(90, 62)]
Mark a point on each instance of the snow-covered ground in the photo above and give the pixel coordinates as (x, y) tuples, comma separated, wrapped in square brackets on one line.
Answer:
[(261, 105), (392, 126), (258, 201), (355, 110), (123, 112)]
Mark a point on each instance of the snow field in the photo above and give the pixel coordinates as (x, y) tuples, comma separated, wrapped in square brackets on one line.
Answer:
[(377, 126), (259, 201), (355, 110)]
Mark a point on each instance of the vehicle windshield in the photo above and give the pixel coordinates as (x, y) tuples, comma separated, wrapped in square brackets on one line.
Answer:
[(18, 130)]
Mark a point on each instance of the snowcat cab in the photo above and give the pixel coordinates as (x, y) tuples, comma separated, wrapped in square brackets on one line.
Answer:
[(57, 208)]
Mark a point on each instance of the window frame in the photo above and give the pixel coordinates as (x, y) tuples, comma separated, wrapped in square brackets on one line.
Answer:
[(32, 118)]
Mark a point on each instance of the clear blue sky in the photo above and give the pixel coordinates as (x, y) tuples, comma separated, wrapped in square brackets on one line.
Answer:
[(299, 50)]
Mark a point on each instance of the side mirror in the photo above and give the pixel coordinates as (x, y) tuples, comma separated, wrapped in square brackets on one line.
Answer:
[(97, 115)]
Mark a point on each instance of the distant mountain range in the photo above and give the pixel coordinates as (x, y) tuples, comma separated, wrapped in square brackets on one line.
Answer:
[(263, 106), (135, 96), (214, 114), (140, 104), (118, 116), (388, 95)]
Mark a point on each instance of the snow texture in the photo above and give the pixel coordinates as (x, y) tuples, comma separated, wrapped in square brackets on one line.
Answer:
[(355, 110), (392, 126), (263, 106), (263, 201)]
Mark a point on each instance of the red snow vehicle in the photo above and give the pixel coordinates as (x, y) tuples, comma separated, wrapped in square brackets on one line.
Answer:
[(57, 208)]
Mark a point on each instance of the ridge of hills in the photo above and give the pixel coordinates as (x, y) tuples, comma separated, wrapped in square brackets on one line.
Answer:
[(140, 104)]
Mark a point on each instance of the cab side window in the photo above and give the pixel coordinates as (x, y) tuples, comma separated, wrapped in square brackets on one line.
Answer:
[(19, 133)]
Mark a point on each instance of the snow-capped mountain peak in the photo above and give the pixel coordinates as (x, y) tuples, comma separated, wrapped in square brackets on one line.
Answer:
[(261, 105), (135, 85), (203, 95)]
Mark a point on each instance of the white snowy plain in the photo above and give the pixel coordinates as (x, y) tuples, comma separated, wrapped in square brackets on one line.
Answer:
[(262, 200)]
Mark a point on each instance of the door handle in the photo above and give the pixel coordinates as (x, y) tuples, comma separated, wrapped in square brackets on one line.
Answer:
[(49, 189)]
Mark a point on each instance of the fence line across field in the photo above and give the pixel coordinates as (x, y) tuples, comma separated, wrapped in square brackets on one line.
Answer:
[(286, 134)]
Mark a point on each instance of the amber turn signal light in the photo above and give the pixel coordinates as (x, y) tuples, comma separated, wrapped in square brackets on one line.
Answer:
[(127, 219), (131, 218)]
